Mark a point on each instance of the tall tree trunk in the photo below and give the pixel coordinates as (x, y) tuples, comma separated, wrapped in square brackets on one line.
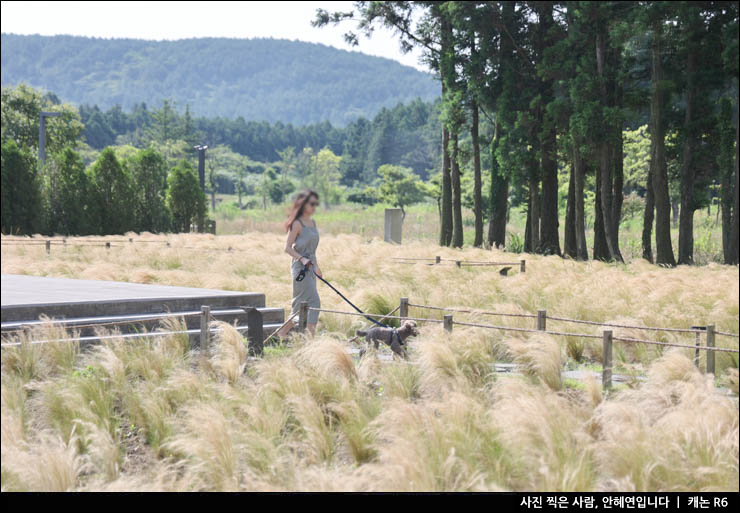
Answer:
[(446, 69), (605, 154), (457, 226), (663, 245), (569, 243), (675, 209), (734, 242), (499, 198), (601, 245), (445, 236), (477, 200), (686, 222), (501, 211), (618, 193), (549, 228), (649, 216), (492, 191), (549, 243), (533, 214), (439, 213), (580, 212), (528, 228), (505, 118)]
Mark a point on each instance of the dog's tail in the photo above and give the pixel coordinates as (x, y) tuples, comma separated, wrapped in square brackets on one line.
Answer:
[(361, 333)]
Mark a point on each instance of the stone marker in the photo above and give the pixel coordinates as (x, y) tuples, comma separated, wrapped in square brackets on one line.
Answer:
[(393, 224)]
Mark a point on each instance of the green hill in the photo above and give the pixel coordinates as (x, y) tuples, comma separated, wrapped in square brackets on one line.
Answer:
[(257, 79)]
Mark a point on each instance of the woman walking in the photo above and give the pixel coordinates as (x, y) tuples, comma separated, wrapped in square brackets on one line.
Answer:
[(303, 238)]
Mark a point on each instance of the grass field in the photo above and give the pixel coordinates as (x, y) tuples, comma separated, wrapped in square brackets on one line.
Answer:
[(422, 224), (153, 415)]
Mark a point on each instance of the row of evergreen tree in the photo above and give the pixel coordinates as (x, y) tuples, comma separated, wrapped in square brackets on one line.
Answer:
[(110, 197), (548, 85), (139, 193)]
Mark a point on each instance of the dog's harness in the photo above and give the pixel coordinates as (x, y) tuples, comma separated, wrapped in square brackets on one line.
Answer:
[(302, 275)]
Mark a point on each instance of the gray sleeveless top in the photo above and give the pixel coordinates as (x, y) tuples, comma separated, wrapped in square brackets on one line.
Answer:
[(307, 241)]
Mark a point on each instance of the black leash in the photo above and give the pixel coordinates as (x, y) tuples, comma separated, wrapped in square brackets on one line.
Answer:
[(302, 275)]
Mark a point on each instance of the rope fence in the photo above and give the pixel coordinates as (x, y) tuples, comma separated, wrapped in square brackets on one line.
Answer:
[(671, 344), (108, 245), (625, 326), (480, 312), (437, 260), (525, 330), (566, 319), (725, 334), (79, 242), (386, 316), (606, 336)]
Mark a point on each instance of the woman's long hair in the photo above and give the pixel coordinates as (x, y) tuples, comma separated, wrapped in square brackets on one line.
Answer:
[(299, 204)]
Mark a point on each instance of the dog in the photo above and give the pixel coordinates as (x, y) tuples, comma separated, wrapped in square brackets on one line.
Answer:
[(393, 338)]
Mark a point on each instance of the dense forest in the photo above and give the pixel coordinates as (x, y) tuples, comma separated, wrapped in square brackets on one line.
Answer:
[(558, 83), (257, 79), (399, 135)]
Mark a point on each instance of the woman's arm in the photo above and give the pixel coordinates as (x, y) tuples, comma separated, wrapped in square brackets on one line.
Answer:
[(292, 234), (316, 267)]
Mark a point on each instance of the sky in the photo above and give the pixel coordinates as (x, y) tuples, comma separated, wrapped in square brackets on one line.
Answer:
[(181, 20)]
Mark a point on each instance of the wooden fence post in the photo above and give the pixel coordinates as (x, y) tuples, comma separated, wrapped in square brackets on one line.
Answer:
[(255, 331), (710, 353), (205, 314), (107, 245), (437, 260), (448, 322), (457, 262), (48, 247), (403, 310), (541, 320), (606, 361), (303, 316), (523, 266)]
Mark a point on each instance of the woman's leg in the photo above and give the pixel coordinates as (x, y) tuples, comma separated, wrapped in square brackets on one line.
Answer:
[(311, 328)]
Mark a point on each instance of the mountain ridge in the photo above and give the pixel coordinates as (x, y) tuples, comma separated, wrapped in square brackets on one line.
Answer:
[(258, 79)]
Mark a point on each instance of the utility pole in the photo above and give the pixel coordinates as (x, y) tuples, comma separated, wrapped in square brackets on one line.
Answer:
[(42, 135)]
